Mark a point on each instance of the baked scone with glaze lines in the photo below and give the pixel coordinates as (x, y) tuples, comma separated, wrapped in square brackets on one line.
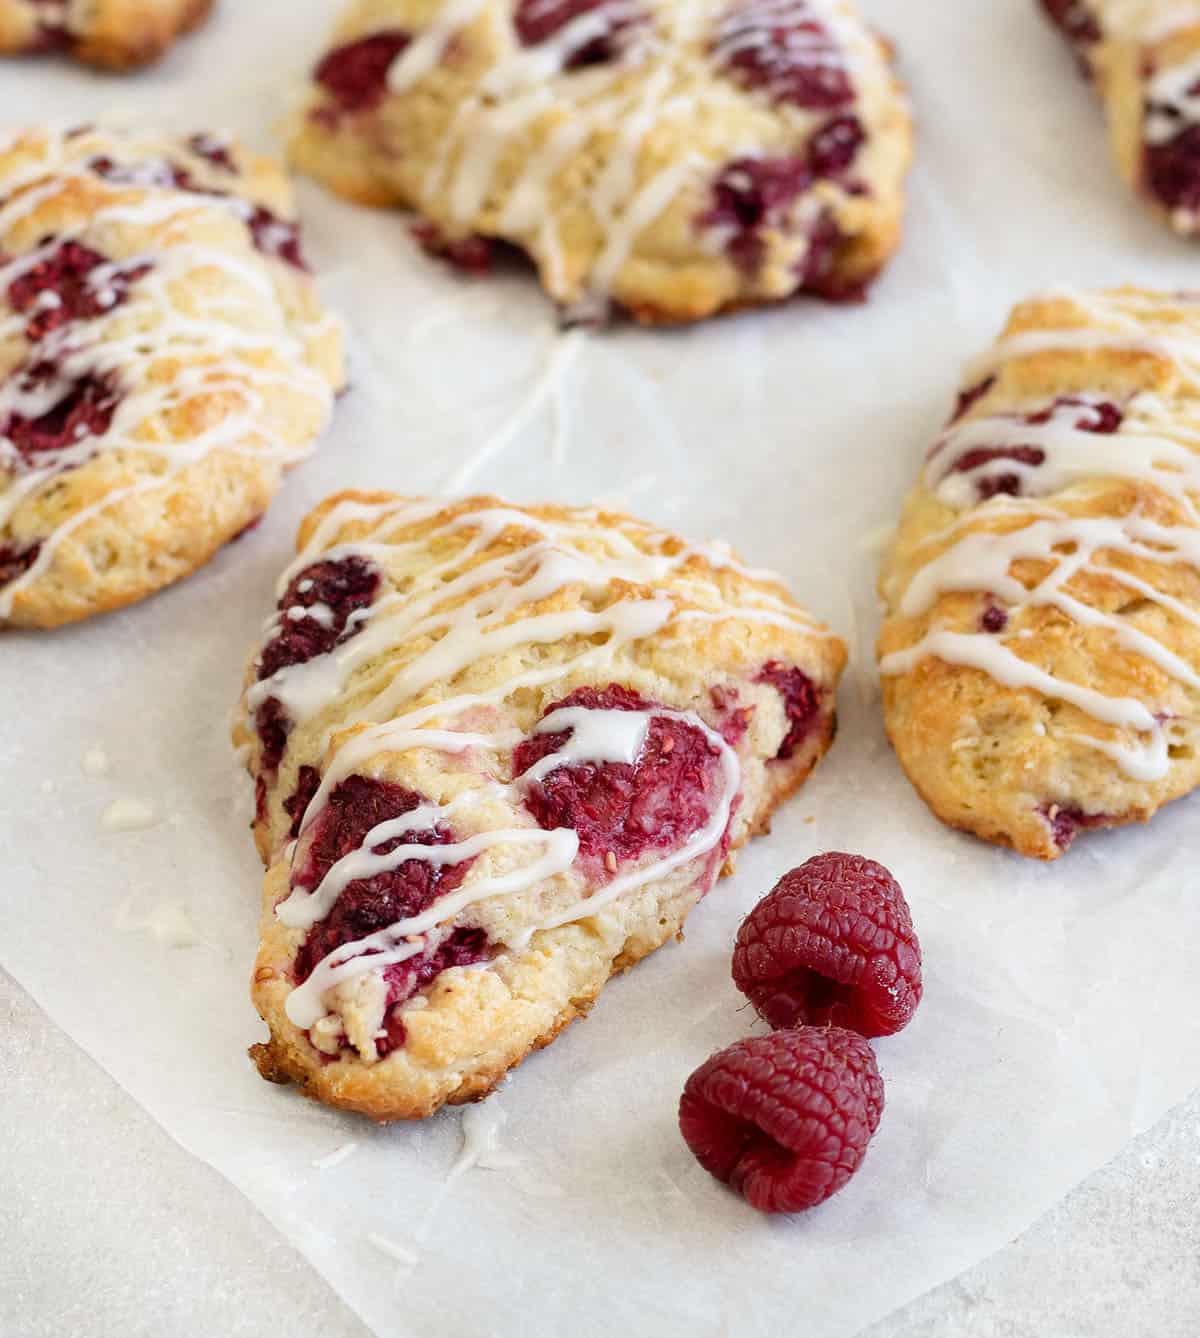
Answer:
[(500, 753), (163, 359), (116, 34), (1041, 650), (674, 157), (1144, 57)]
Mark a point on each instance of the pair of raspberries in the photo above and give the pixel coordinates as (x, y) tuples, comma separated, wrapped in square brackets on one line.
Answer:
[(828, 958)]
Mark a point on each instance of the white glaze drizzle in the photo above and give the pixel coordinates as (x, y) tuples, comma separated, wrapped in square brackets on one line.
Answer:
[(1177, 87), (124, 342), (487, 617), (1155, 445), (529, 94)]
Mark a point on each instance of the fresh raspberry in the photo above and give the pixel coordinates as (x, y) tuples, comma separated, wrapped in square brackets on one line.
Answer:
[(833, 942), (65, 287), (536, 21), (365, 905), (785, 50), (801, 702), (620, 809), (355, 75), (784, 1120)]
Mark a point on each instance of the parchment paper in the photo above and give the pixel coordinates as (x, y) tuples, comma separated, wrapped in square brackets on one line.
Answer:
[(1059, 1015)]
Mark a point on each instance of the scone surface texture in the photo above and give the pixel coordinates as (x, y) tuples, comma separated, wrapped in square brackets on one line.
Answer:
[(675, 158), (500, 752), (1041, 646), (1144, 59), (114, 34), (163, 359)]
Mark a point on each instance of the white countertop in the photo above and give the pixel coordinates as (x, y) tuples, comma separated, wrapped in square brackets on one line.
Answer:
[(111, 1230)]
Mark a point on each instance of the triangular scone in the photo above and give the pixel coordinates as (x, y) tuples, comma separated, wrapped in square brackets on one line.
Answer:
[(1144, 56), (677, 159), (1041, 652), (117, 34), (500, 753), (163, 359)]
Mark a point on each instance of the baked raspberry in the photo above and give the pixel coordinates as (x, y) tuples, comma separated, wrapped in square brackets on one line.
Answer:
[(1075, 19), (784, 1120), (461, 947), (72, 283), (272, 724), (1172, 169), (785, 50), (473, 255), (731, 720), (817, 272), (145, 172), (308, 782), (1067, 823), (1099, 416), (355, 75), (993, 619), (538, 20), (833, 942), (833, 149), (618, 808), (84, 408), (967, 398), (15, 562), (214, 149), (354, 807), (317, 611), (751, 195), (275, 236), (801, 702)]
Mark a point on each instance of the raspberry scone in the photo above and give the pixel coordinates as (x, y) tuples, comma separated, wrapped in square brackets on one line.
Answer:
[(1041, 650), (116, 34), (675, 157), (163, 360), (1144, 56), (500, 753)]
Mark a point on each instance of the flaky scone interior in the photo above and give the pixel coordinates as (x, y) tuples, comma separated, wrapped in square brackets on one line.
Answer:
[(1041, 649), (500, 752), (674, 159), (114, 34), (1144, 58), (164, 358)]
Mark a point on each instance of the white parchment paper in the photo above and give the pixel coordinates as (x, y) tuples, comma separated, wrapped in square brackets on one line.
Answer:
[(1059, 1015)]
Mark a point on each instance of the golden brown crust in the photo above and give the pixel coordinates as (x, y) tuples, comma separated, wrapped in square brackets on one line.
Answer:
[(1144, 56), (1045, 570), (618, 179), (113, 34), (160, 364), (719, 648)]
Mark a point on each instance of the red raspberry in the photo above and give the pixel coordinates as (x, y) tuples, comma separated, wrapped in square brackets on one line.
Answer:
[(784, 1119), (832, 943)]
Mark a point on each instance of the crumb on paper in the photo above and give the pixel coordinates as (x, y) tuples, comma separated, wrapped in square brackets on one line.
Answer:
[(336, 1157), (128, 815), (392, 1248), (47, 787), (96, 763), (168, 923)]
